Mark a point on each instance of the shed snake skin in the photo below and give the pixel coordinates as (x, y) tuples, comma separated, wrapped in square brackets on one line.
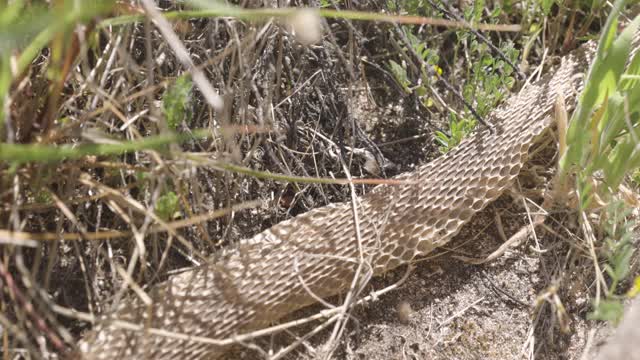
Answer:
[(272, 274)]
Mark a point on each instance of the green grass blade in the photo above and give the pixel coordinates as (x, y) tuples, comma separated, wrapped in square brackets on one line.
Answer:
[(23, 153)]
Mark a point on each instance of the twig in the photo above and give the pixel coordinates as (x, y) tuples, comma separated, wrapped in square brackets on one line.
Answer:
[(30, 310), (357, 284), (462, 311)]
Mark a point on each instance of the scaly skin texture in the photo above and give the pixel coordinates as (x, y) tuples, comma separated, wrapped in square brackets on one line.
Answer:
[(264, 278)]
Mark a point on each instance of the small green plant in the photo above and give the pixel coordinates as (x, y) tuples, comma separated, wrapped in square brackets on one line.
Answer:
[(176, 103), (545, 6), (429, 69), (43, 196), (167, 206), (603, 134), (400, 74), (603, 148), (488, 78), (459, 128), (618, 251)]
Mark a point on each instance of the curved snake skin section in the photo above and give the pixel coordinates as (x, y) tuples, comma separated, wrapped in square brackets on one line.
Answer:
[(270, 275)]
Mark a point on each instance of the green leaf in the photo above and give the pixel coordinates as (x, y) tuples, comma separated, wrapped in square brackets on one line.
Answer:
[(602, 80), (510, 82), (607, 127), (167, 206), (610, 27), (614, 60), (18, 25), (618, 167), (23, 153), (634, 71), (546, 6), (176, 103), (621, 261), (442, 138), (586, 195), (400, 73), (607, 310)]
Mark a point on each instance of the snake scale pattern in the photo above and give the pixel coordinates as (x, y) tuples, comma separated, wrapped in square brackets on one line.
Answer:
[(272, 274)]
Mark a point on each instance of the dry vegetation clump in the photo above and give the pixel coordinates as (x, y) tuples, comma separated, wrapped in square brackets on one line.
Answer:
[(155, 176)]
